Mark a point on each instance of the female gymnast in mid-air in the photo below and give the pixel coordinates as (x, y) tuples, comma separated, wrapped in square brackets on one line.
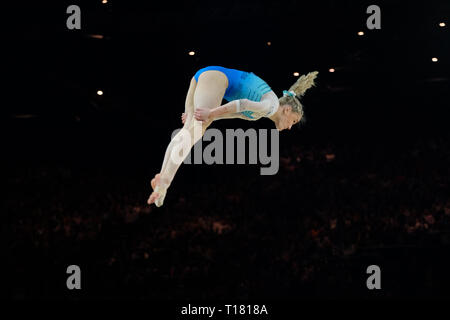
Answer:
[(249, 98)]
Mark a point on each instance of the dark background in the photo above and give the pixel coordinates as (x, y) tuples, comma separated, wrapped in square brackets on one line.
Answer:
[(78, 165)]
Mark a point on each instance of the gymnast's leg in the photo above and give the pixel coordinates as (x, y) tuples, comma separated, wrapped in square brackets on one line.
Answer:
[(207, 93)]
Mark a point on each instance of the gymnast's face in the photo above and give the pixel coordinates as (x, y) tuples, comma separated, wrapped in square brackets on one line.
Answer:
[(287, 118)]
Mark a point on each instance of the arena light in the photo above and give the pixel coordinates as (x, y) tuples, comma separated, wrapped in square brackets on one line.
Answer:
[(442, 24), (104, 1), (361, 33), (331, 70), (96, 36), (296, 74), (434, 59), (191, 53), (269, 43), (99, 92)]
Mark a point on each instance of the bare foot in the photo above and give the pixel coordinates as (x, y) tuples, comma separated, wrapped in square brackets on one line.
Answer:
[(154, 183), (153, 197), (159, 192), (155, 180)]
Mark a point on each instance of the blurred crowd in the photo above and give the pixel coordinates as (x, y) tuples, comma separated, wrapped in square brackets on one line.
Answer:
[(309, 231)]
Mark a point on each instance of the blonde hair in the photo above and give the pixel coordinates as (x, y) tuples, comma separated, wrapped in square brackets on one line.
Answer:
[(299, 88)]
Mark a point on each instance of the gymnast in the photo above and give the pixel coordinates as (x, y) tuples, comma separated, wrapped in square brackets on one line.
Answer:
[(249, 97)]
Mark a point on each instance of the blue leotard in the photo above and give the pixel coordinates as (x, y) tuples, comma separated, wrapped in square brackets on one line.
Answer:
[(241, 84)]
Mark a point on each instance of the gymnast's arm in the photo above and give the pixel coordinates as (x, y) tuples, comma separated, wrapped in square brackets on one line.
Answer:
[(232, 108), (230, 116), (225, 111)]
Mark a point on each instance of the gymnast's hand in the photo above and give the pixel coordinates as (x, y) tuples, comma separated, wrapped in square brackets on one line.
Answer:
[(202, 114), (183, 117)]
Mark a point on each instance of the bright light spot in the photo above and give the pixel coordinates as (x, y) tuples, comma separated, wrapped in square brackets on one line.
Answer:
[(104, 1), (434, 59), (332, 70), (360, 33), (100, 92), (442, 24), (96, 36), (191, 53), (269, 43), (296, 74)]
